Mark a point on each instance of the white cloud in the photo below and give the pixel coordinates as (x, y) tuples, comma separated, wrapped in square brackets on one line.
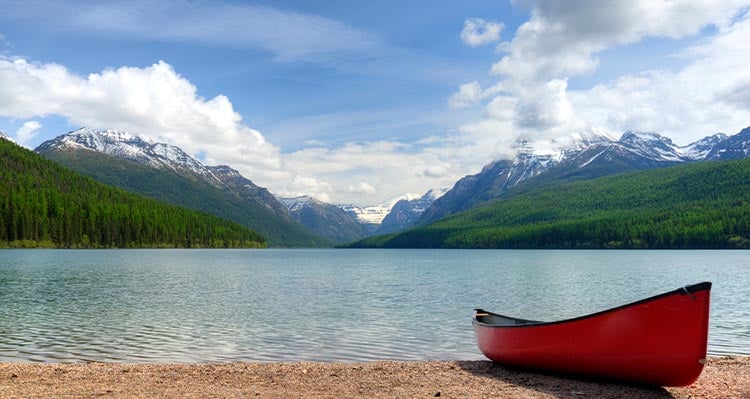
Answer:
[(362, 188), (289, 35), (155, 101), (27, 132), (502, 108), (468, 94), (471, 93), (436, 171), (387, 168), (711, 94), (478, 32), (563, 39)]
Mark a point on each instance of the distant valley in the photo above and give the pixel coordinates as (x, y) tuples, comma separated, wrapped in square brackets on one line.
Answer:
[(168, 174)]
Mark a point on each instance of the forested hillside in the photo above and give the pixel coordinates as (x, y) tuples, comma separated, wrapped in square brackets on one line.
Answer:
[(168, 186), (45, 205), (704, 205)]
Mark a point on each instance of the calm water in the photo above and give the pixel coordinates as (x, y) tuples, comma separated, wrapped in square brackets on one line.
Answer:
[(328, 305)]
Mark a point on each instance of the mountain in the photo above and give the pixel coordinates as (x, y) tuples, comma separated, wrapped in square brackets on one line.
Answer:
[(585, 159), (732, 147), (499, 176), (5, 136), (347, 223), (232, 182), (168, 174), (326, 220), (45, 204), (700, 149), (372, 216), (696, 205), (406, 211)]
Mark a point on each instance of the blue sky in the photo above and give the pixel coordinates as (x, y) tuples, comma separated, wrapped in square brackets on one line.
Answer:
[(362, 101)]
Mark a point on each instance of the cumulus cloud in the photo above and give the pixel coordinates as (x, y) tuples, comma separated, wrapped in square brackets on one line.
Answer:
[(362, 188), (367, 173), (435, 171), (27, 132), (154, 101), (563, 40), (478, 32), (468, 94), (158, 102), (471, 93), (710, 94)]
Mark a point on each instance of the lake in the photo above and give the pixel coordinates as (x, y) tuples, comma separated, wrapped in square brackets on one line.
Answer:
[(328, 305)]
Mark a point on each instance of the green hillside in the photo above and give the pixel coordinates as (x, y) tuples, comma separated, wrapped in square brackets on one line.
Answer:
[(194, 193), (703, 205), (45, 205)]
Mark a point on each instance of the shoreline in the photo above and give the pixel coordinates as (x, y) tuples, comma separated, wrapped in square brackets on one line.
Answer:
[(722, 377)]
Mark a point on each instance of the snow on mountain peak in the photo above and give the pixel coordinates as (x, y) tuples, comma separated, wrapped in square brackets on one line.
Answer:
[(122, 144), (631, 137), (5, 136), (297, 203), (701, 148), (435, 193), (652, 145), (376, 213), (225, 170)]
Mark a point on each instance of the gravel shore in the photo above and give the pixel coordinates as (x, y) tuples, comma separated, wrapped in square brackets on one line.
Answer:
[(723, 377)]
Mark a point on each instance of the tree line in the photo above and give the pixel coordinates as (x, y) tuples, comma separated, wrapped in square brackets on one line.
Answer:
[(704, 205), (45, 205)]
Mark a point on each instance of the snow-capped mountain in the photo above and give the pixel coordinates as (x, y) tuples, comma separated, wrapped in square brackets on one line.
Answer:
[(343, 223), (700, 149), (295, 204), (326, 220), (499, 176), (169, 174), (121, 144), (583, 159), (405, 211), (732, 147), (651, 145), (374, 215), (4, 136)]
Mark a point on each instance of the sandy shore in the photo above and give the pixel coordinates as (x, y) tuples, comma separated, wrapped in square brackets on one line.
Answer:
[(726, 377)]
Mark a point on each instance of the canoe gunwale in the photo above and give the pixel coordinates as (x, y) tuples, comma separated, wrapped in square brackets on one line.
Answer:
[(524, 323)]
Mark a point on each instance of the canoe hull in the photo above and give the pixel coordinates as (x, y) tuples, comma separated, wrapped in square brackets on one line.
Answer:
[(660, 341)]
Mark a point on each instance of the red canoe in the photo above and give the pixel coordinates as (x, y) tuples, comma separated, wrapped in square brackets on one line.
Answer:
[(660, 340)]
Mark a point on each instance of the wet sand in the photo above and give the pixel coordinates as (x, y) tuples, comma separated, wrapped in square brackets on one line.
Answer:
[(723, 377)]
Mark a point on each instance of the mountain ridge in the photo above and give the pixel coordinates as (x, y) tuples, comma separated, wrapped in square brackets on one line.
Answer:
[(327, 220), (691, 205), (169, 174), (44, 204), (632, 152)]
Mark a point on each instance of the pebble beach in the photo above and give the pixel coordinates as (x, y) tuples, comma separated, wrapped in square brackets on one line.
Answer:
[(723, 377)]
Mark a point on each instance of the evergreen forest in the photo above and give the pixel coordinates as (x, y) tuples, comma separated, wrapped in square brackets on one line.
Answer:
[(701, 205), (43, 204)]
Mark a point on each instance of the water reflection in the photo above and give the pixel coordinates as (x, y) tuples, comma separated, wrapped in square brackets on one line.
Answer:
[(327, 305)]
